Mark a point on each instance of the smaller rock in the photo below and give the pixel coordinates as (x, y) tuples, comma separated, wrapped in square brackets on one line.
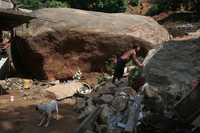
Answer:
[(89, 131), (2, 82), (86, 112), (108, 88), (109, 85), (107, 98), (123, 82), (80, 104), (88, 109), (151, 92), (128, 90), (154, 102), (115, 130), (120, 103), (105, 114)]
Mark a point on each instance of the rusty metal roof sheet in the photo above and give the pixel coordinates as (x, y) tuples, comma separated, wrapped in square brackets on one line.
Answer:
[(10, 18)]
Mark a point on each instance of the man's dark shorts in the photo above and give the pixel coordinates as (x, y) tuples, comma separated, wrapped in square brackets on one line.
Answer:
[(119, 68)]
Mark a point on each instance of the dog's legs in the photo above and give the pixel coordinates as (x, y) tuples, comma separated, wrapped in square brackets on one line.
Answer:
[(42, 120), (48, 120), (56, 116)]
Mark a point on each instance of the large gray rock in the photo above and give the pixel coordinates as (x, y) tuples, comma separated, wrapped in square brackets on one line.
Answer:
[(60, 40), (174, 65)]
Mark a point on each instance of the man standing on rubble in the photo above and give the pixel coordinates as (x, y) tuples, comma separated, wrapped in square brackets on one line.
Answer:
[(123, 59)]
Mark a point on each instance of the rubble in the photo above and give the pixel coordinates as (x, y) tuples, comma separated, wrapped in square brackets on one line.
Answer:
[(20, 83), (115, 108), (107, 98), (114, 101), (125, 110)]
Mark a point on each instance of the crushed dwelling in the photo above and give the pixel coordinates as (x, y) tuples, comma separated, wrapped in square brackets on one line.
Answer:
[(9, 20)]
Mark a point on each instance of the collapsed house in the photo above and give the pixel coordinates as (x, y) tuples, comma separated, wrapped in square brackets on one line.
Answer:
[(9, 20)]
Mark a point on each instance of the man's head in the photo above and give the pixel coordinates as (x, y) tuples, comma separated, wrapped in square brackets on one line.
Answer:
[(137, 48)]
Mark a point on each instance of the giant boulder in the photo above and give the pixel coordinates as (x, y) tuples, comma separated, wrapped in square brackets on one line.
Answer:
[(173, 66), (60, 40)]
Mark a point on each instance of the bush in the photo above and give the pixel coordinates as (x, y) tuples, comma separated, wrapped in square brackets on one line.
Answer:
[(36, 4), (103, 78), (30, 4), (174, 5), (109, 66), (134, 2), (156, 9), (55, 3), (100, 5), (134, 75)]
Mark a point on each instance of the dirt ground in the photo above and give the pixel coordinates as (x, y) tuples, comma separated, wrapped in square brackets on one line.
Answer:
[(20, 116)]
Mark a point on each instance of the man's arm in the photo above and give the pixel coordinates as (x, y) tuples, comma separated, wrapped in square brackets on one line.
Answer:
[(134, 58)]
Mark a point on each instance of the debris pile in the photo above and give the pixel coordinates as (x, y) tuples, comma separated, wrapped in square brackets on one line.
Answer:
[(115, 103), (27, 88), (117, 108), (20, 83)]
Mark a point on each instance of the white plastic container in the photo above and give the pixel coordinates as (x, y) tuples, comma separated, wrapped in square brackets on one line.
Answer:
[(12, 98)]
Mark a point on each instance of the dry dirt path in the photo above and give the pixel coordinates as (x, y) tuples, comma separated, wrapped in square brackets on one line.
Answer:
[(20, 117)]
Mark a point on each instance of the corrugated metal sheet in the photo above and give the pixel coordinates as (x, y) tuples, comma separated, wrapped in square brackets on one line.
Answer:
[(11, 18)]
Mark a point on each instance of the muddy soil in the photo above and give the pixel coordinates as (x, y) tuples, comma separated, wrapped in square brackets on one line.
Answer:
[(20, 116)]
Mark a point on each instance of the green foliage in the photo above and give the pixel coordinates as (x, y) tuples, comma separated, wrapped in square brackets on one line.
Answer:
[(109, 65), (100, 5), (95, 5), (55, 3), (36, 4), (134, 75), (103, 78), (157, 8), (134, 2), (30, 4), (175, 5)]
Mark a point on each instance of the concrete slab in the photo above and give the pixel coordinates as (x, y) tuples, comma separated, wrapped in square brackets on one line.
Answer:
[(62, 91)]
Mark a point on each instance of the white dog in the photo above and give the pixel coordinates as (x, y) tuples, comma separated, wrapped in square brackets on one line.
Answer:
[(47, 111)]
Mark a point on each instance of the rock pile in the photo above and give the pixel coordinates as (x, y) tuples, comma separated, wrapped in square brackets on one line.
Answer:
[(117, 108), (115, 104), (12, 84), (27, 88), (20, 83)]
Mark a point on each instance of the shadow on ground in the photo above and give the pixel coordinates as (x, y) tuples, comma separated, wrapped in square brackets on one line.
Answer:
[(25, 120)]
